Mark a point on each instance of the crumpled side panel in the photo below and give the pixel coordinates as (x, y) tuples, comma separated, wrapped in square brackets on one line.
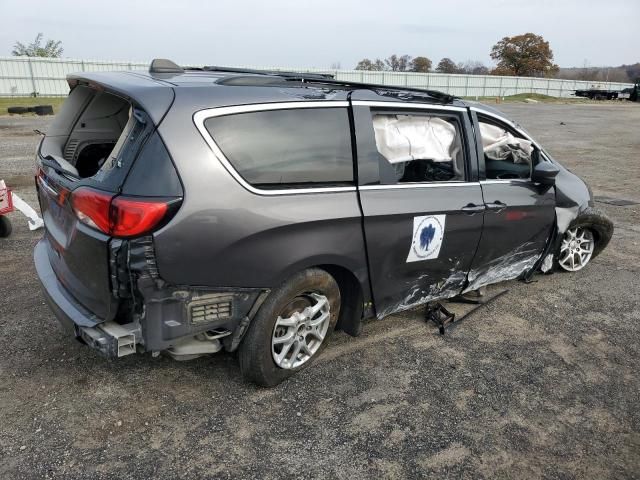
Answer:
[(506, 267), (418, 295)]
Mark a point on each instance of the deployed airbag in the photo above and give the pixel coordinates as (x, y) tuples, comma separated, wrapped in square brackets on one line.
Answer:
[(499, 144), (403, 138)]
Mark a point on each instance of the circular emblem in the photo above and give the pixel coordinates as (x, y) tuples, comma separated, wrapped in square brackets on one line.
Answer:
[(427, 237)]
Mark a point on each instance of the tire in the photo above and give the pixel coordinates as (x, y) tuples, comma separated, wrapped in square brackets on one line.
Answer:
[(576, 249), (5, 227), (598, 223), (258, 351), (17, 110), (42, 110)]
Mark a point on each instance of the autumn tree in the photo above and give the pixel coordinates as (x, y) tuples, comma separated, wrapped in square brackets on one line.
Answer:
[(51, 48), (420, 64), (366, 64), (523, 55), (446, 65)]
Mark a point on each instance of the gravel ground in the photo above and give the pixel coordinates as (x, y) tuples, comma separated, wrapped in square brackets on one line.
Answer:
[(542, 383)]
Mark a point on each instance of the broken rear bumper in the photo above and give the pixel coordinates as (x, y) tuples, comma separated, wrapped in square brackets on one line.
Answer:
[(108, 338), (71, 314), (170, 314)]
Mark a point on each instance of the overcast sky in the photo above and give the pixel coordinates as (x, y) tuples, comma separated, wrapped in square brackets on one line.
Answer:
[(318, 33)]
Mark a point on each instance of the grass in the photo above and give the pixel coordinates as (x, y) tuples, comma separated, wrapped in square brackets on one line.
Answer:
[(6, 102)]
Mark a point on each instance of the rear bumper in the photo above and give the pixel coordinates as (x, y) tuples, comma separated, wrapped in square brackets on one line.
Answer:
[(71, 314), (109, 338), (172, 314)]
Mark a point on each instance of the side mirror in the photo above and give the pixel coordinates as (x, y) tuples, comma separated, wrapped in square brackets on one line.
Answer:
[(545, 173)]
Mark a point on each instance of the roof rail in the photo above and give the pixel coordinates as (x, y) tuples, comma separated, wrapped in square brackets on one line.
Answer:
[(279, 73), (268, 79), (162, 65), (435, 94)]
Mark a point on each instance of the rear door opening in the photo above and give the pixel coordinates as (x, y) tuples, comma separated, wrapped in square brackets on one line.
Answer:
[(85, 161)]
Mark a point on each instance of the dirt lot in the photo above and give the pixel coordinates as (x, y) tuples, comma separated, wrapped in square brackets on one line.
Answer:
[(543, 383)]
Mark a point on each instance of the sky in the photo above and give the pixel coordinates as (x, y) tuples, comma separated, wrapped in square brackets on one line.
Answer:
[(298, 33)]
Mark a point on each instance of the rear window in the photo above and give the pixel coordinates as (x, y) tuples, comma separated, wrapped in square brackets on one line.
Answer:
[(287, 148), (100, 134)]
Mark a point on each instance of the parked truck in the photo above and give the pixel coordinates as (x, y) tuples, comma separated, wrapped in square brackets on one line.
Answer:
[(630, 93)]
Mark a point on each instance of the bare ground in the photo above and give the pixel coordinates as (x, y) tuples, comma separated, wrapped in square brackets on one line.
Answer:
[(543, 383)]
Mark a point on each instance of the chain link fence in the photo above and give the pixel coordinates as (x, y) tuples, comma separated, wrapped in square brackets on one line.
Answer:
[(29, 76)]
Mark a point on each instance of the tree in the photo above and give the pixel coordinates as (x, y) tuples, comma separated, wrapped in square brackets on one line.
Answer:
[(446, 65), (420, 64), (366, 64), (397, 63), (473, 67), (524, 55), (52, 48), (633, 71)]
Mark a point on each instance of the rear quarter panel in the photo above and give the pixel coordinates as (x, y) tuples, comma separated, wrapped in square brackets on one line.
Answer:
[(226, 236)]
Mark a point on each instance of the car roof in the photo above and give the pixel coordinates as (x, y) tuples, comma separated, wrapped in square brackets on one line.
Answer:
[(225, 87)]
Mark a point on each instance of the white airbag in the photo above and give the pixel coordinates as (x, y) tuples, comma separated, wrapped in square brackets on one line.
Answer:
[(499, 144), (402, 138)]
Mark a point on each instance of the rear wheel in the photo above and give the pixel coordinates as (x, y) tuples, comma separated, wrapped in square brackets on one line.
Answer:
[(576, 249), (291, 328)]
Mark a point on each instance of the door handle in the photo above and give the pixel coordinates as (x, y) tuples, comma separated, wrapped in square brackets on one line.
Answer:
[(472, 208), (496, 206)]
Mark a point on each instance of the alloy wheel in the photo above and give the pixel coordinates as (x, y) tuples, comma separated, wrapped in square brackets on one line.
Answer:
[(576, 249), (300, 330)]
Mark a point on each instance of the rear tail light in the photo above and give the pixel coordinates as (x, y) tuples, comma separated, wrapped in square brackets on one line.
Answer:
[(120, 216), (135, 217), (92, 208)]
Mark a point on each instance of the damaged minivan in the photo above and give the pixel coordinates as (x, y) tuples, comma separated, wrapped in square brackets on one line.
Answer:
[(193, 210)]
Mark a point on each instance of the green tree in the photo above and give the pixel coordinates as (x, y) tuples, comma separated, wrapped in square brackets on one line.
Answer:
[(51, 48), (446, 65), (420, 64), (366, 64), (524, 55)]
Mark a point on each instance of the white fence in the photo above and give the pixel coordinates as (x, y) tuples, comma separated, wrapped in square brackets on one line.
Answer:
[(22, 76)]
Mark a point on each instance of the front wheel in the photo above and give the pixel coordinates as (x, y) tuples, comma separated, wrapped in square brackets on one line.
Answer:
[(291, 328), (576, 249)]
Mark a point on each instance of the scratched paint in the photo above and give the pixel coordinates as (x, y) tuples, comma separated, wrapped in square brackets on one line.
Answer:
[(505, 267), (419, 295)]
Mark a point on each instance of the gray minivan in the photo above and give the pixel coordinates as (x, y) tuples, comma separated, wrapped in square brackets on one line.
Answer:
[(191, 210)]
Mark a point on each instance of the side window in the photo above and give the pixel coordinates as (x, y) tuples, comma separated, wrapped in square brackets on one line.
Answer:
[(418, 148), (296, 148), (506, 154)]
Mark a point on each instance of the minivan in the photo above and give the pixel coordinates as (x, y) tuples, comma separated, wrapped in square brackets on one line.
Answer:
[(188, 211)]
